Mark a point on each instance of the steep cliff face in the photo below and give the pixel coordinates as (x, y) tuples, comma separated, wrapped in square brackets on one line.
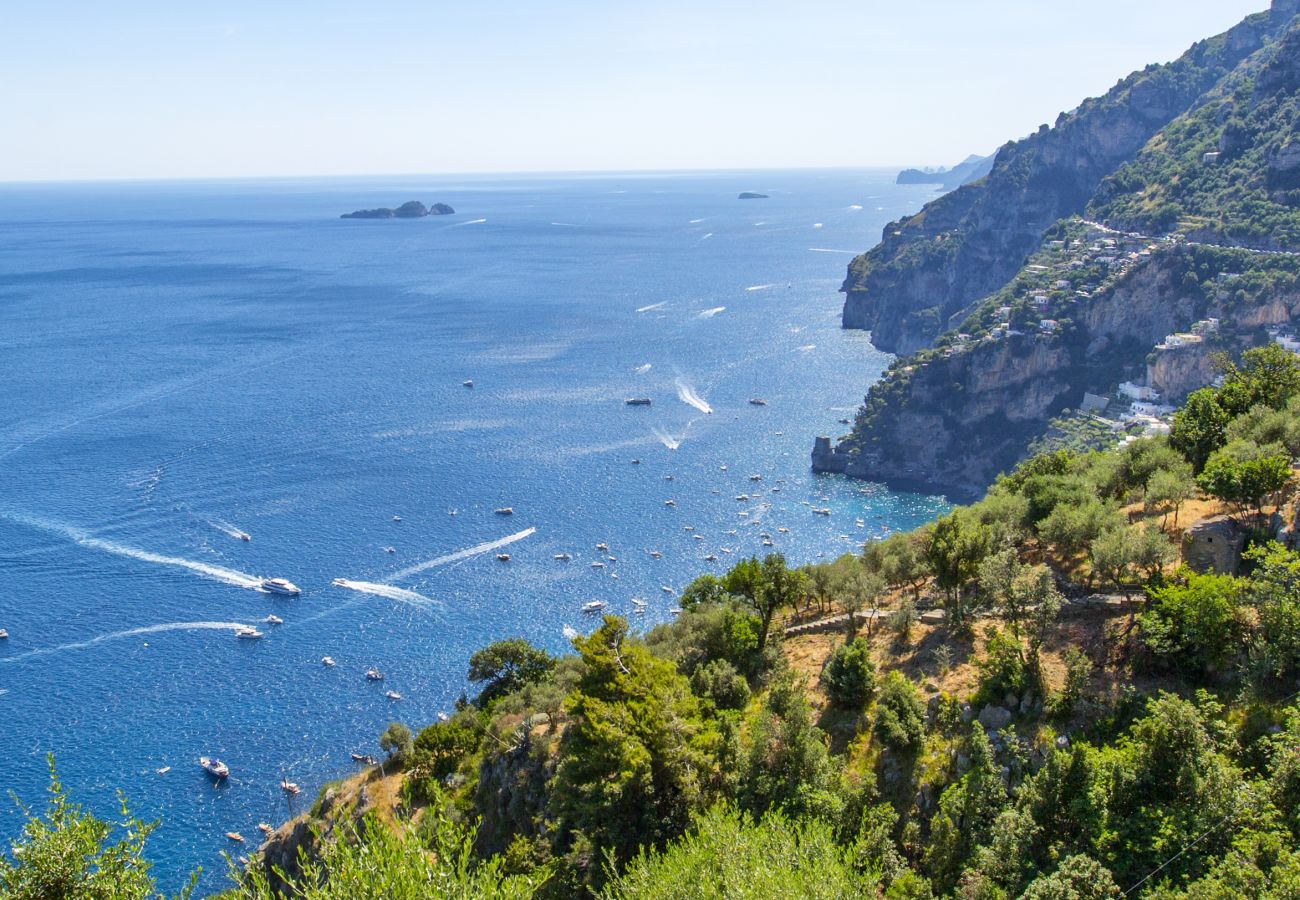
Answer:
[(951, 419), (970, 242)]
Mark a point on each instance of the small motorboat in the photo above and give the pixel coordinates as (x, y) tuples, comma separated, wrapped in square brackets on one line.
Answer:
[(710, 558), (665, 588), (742, 498), (164, 770), (443, 717), (397, 518), (845, 422), (670, 503), (505, 511), (670, 478), (698, 537), (637, 401), (327, 662), (563, 557), (374, 675), (289, 787), (235, 836), (757, 401), (392, 695), (594, 606), (247, 633), (783, 530), (688, 528), (598, 565), (468, 382), (654, 554), (390, 549), (612, 558), (821, 510), (273, 620), (245, 536), (4, 635), (214, 767), (636, 462), (503, 557), (767, 542), (360, 757), (755, 477), (638, 601), (602, 547), (264, 828), (280, 586)]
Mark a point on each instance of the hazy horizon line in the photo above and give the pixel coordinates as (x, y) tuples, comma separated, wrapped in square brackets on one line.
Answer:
[(522, 173)]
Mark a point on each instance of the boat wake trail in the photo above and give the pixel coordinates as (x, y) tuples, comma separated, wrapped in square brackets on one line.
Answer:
[(831, 250), (687, 395), (759, 287), (401, 595), (710, 313), (470, 222), (659, 305), (642, 369), (77, 535), (131, 632), (461, 554), (227, 528), (667, 439)]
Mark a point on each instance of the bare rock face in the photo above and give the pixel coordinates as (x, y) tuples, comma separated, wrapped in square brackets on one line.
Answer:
[(1214, 545), (994, 718), (969, 243)]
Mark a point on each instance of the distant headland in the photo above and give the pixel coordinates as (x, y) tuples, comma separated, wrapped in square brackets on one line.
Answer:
[(412, 209), (750, 195)]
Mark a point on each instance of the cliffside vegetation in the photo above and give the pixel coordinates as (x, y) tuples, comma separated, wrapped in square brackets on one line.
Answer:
[(953, 712), (1087, 244)]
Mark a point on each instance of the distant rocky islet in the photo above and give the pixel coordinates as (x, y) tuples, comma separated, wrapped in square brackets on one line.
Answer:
[(411, 209)]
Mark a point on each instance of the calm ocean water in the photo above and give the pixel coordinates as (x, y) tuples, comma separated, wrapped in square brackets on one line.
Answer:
[(183, 362)]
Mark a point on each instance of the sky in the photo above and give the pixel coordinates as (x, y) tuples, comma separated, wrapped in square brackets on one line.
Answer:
[(146, 90)]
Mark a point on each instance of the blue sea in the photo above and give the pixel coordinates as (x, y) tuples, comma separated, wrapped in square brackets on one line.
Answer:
[(185, 363)]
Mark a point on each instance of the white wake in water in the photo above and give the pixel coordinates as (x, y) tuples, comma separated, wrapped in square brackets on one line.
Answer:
[(401, 595), (687, 395), (806, 347), (710, 313), (131, 632), (707, 236), (759, 287), (229, 529), (659, 305), (216, 573), (667, 439), (642, 369), (829, 250), (470, 222), (462, 554)]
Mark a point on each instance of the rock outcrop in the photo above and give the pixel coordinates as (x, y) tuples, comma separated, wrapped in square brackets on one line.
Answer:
[(966, 244), (411, 209), (751, 195), (972, 168)]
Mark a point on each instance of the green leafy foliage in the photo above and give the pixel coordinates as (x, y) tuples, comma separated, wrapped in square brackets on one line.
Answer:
[(68, 853), (850, 675)]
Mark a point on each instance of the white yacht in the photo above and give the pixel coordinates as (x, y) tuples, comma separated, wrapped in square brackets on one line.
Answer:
[(563, 557), (280, 586), (214, 767), (469, 383), (327, 662), (505, 511), (374, 675), (392, 695), (594, 606), (247, 633), (273, 620), (4, 635), (503, 557)]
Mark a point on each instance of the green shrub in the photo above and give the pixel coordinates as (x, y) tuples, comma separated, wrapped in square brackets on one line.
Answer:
[(850, 675)]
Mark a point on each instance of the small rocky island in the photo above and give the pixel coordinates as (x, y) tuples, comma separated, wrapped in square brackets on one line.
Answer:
[(412, 209), (750, 195)]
